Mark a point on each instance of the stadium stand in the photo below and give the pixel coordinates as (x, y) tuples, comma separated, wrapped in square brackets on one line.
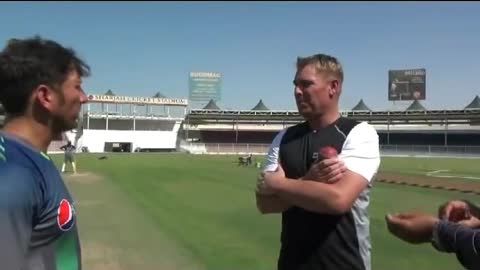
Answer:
[(415, 129), (215, 130)]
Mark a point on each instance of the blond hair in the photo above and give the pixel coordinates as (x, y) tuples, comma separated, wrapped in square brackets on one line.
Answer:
[(323, 64)]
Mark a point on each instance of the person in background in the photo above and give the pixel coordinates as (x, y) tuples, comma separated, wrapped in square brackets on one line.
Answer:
[(69, 150)]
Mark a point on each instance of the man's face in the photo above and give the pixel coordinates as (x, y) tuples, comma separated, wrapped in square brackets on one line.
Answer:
[(313, 92), (69, 99)]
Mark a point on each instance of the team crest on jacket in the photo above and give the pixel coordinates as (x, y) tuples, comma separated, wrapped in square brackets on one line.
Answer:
[(65, 215)]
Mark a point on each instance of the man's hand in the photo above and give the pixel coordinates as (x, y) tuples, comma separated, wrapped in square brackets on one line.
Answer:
[(261, 188), (412, 227), (269, 181), (327, 171), (455, 211), (472, 222)]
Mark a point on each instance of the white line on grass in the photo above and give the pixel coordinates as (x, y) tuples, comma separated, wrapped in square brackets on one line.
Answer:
[(436, 174)]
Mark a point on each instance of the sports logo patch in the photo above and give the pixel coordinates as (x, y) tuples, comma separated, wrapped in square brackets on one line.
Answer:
[(65, 215)]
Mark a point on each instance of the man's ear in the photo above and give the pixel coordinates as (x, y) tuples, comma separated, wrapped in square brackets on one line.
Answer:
[(44, 96), (334, 88)]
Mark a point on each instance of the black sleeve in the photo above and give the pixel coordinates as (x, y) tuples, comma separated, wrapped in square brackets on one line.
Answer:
[(464, 241)]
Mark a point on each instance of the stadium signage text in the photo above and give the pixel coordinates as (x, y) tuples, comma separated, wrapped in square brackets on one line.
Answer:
[(205, 75), (138, 100), (414, 72)]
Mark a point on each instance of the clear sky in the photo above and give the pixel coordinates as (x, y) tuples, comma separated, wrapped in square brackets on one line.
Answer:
[(139, 48)]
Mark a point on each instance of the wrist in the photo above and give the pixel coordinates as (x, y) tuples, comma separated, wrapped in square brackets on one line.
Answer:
[(280, 185)]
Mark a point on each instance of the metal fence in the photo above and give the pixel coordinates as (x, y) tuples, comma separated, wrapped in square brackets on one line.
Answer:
[(451, 150), (244, 148), (236, 148)]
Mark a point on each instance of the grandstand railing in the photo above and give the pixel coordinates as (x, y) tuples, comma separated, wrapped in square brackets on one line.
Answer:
[(236, 148), (245, 148), (343, 113), (431, 149), (388, 117)]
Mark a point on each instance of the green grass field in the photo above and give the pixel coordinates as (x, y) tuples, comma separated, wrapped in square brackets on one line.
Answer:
[(176, 211)]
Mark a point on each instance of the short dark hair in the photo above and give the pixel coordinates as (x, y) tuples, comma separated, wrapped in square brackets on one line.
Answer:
[(27, 63)]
